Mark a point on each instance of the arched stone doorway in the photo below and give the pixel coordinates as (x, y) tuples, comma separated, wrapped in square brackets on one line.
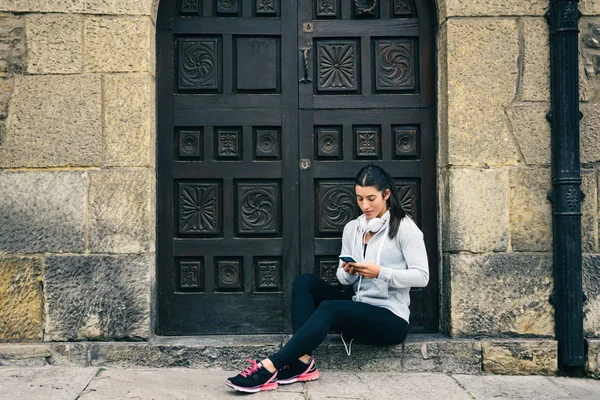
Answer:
[(265, 114)]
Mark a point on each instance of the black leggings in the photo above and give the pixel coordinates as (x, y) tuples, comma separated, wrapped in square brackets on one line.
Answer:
[(318, 307)]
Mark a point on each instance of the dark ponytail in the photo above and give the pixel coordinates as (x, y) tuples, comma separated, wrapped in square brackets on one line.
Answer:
[(372, 175)]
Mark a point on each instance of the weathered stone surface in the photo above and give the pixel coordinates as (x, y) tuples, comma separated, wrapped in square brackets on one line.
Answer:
[(44, 383), (364, 357), (536, 61), (477, 218), (589, 210), (514, 387), (532, 131), (97, 297), (54, 44), (501, 294), (53, 121), (579, 388), (592, 364), (128, 7), (69, 354), (590, 133), (591, 288), (589, 7), (443, 97), (42, 212), (12, 57), (530, 209), (118, 45), (457, 357), (20, 299), (520, 357), (24, 355), (482, 80), (121, 218), (495, 7), (129, 120)]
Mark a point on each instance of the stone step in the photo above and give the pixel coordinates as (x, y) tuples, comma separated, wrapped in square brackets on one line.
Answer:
[(419, 353)]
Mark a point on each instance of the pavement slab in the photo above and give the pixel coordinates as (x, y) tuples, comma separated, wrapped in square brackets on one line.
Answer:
[(529, 387), (48, 383)]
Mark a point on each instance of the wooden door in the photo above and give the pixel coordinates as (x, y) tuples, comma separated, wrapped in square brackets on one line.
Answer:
[(367, 95), (266, 111)]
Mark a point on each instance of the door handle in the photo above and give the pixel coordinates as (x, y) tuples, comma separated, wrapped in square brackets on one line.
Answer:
[(306, 78)]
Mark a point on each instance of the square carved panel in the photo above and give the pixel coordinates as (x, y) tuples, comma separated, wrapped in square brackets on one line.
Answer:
[(406, 139), (190, 144), (191, 6), (329, 142), (368, 142), (327, 8), (229, 274), (409, 195), (266, 8), (268, 275), (191, 275), (228, 7), (395, 68), (337, 66), (337, 206), (268, 143), (258, 64), (327, 271), (402, 7), (199, 66), (229, 143), (198, 208), (258, 208)]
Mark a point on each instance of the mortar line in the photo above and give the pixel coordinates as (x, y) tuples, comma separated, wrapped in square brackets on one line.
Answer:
[(520, 59), (88, 384)]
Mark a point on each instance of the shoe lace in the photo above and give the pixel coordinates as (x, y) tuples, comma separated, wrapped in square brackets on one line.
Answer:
[(251, 369)]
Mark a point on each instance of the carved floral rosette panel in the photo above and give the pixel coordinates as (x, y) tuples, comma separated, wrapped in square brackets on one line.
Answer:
[(191, 275), (258, 208), (267, 273), (198, 65), (336, 206), (198, 208), (337, 66), (408, 193)]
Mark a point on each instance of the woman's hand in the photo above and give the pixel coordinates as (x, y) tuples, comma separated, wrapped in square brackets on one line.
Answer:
[(349, 268), (367, 269)]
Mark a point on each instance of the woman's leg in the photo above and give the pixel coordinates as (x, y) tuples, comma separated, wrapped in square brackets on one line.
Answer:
[(364, 322), (308, 292)]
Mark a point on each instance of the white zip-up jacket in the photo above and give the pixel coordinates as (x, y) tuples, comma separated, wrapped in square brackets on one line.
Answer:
[(403, 262)]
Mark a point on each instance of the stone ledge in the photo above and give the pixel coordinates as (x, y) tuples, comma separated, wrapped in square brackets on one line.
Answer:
[(420, 353)]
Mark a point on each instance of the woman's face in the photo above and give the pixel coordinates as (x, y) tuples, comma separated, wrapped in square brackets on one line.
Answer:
[(372, 202)]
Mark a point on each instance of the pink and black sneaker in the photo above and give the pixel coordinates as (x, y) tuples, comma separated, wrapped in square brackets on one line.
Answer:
[(298, 372), (255, 378)]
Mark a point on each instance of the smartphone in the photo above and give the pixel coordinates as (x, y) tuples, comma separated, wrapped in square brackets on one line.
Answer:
[(346, 258)]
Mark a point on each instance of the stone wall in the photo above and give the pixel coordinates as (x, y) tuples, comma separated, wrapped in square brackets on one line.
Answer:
[(77, 169), (495, 167), (77, 172)]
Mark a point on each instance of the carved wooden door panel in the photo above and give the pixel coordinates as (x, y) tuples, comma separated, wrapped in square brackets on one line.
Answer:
[(366, 95), (228, 204)]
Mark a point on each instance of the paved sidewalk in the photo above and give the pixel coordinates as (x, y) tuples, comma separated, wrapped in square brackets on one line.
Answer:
[(58, 383)]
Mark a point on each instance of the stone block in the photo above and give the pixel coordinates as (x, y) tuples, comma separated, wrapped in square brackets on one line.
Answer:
[(530, 209), (589, 210), (24, 355), (591, 288), (54, 44), (520, 357), (122, 213), (365, 357), (118, 45), (589, 7), (117, 7), (447, 356), (501, 294), (482, 80), (20, 299), (477, 219), (495, 8), (54, 121), (531, 129), (42, 212), (536, 61), (69, 354), (12, 46), (97, 297), (592, 364), (129, 120), (590, 133)]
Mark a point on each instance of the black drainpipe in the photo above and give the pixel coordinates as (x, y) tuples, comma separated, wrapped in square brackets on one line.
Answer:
[(566, 196)]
